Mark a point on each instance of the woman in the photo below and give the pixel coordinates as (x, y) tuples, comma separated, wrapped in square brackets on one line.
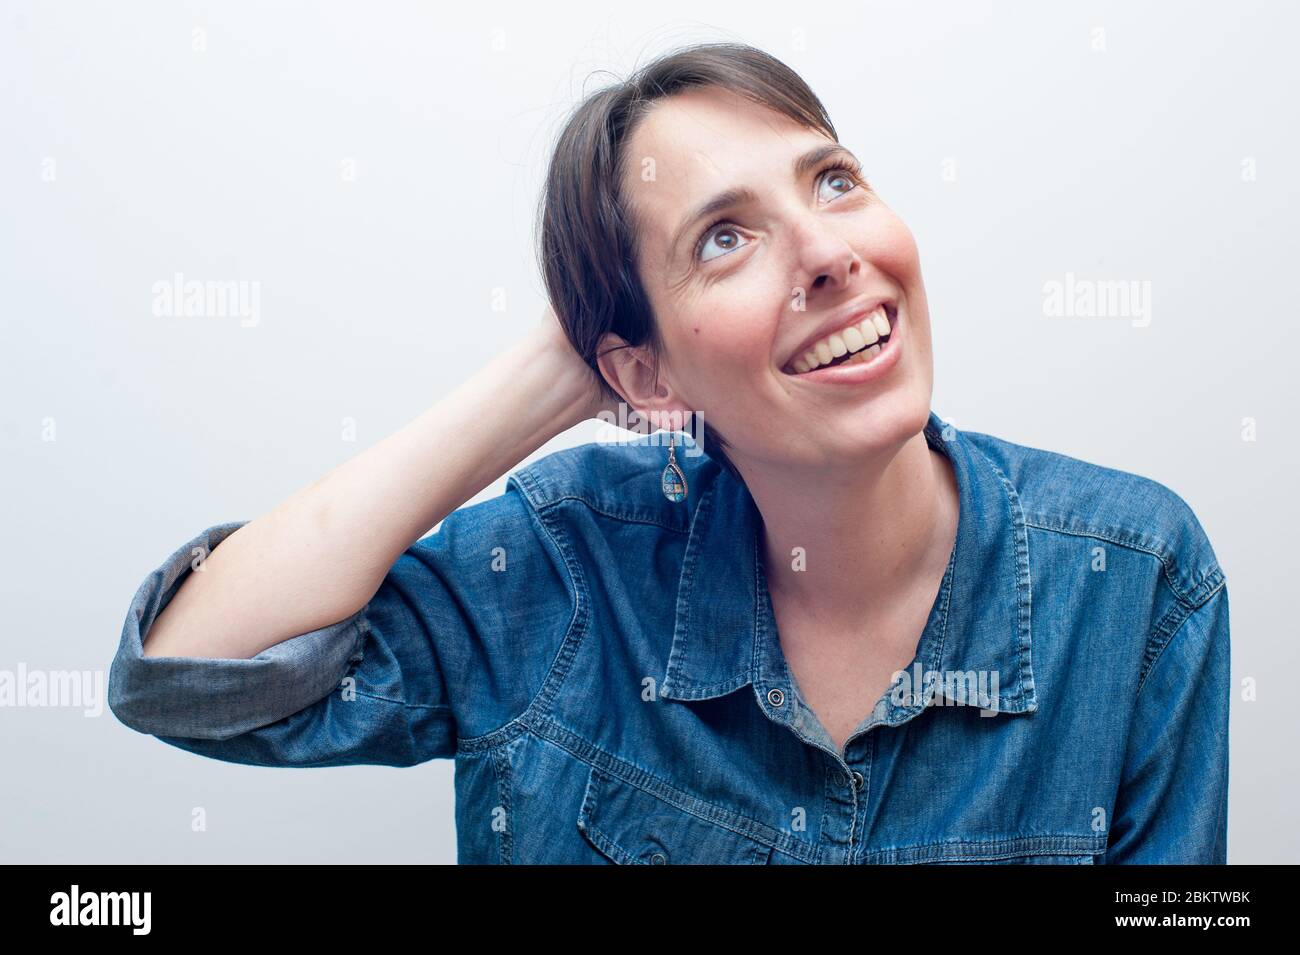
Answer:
[(846, 632)]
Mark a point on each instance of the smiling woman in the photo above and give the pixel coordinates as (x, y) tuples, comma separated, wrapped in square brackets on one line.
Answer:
[(760, 653)]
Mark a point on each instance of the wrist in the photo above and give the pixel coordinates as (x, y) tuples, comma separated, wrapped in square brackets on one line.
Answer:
[(572, 388), (557, 385)]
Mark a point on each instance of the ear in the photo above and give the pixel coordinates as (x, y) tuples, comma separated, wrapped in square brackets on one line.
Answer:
[(629, 370)]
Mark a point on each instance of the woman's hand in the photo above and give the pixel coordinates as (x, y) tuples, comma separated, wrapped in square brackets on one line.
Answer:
[(590, 395)]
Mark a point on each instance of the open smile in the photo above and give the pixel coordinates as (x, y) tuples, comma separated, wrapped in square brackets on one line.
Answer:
[(868, 340)]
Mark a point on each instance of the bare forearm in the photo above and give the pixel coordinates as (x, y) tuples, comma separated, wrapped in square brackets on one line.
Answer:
[(320, 555)]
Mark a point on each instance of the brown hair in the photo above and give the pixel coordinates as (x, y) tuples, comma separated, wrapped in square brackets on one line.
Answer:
[(588, 235)]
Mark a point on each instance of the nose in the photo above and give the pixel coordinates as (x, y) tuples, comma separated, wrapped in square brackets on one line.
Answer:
[(826, 263)]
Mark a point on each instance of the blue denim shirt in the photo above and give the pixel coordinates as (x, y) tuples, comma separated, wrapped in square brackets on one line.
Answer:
[(604, 667)]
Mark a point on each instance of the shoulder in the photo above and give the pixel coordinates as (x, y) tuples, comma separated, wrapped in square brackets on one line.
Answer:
[(1067, 495), (619, 480), (562, 512)]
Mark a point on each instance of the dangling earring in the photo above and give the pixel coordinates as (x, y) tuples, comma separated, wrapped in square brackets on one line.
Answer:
[(673, 480)]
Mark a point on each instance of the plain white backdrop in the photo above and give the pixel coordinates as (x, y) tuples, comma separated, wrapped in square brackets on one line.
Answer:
[(374, 170)]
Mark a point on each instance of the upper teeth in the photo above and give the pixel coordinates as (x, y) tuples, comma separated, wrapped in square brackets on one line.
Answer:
[(856, 337)]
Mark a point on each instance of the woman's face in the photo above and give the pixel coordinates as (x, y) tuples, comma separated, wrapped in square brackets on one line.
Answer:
[(740, 291)]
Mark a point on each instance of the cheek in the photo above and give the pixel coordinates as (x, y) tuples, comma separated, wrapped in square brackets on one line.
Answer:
[(720, 359), (892, 249), (726, 355), (731, 333)]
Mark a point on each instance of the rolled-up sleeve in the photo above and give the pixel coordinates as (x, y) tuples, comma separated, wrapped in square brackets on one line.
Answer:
[(219, 698), (367, 689), (1172, 802)]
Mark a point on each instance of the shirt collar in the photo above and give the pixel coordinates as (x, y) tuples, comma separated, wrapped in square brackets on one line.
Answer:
[(725, 636)]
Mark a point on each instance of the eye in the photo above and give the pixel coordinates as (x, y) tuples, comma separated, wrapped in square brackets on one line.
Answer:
[(848, 174), (726, 245)]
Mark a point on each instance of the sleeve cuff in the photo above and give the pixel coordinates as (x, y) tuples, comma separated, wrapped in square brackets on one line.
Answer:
[(205, 698)]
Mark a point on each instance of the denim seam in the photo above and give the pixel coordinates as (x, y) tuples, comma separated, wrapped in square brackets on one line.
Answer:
[(761, 621), (625, 518), (587, 812), (543, 497), (828, 800), (1024, 585), (414, 706), (578, 624), (1016, 847), (686, 585), (501, 772), (864, 796), (1016, 518), (1020, 537), (528, 483), (568, 649), (1166, 558), (1181, 618)]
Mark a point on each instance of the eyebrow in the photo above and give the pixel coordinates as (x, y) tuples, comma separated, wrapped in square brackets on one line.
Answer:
[(731, 198)]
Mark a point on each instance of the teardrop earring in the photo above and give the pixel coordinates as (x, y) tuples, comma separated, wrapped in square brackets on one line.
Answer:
[(673, 480)]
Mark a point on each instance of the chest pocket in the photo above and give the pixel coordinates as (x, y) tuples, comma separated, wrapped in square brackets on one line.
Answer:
[(631, 826)]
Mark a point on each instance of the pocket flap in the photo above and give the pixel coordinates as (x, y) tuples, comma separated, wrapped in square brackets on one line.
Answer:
[(631, 826)]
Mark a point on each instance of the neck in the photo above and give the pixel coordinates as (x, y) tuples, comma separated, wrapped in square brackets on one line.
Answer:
[(870, 535)]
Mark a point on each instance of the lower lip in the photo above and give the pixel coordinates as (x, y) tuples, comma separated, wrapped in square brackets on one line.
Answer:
[(861, 371)]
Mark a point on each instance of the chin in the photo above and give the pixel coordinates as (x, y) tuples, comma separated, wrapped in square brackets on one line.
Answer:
[(888, 421)]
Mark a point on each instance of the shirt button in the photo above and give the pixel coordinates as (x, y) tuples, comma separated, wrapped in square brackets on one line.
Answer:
[(857, 779), (658, 859), (775, 697)]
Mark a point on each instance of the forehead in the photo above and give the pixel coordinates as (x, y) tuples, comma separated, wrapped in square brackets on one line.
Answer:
[(694, 144)]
